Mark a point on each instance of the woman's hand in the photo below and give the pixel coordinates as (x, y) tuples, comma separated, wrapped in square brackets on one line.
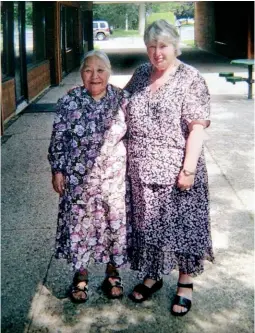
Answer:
[(185, 180), (58, 182)]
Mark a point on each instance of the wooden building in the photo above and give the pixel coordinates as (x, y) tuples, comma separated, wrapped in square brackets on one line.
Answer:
[(225, 28), (41, 42)]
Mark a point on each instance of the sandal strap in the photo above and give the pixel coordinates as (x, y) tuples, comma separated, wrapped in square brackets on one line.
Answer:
[(143, 290), (117, 281), (182, 301), (80, 277), (107, 286), (111, 271), (186, 285)]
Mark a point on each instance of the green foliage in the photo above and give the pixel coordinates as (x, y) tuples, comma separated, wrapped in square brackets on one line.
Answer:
[(29, 13), (185, 10), (181, 9), (190, 42), (157, 16), (116, 14)]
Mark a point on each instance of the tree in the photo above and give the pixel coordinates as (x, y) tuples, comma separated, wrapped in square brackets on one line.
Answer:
[(185, 10), (181, 9), (116, 14)]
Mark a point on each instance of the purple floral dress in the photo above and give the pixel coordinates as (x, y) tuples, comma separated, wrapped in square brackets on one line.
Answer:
[(168, 228), (86, 146)]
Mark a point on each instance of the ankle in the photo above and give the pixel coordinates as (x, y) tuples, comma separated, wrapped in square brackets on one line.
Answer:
[(185, 278)]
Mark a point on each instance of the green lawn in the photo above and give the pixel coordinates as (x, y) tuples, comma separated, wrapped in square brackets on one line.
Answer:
[(124, 33), (187, 25), (189, 42)]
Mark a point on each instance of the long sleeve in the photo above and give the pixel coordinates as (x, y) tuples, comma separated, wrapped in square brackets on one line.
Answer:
[(58, 142)]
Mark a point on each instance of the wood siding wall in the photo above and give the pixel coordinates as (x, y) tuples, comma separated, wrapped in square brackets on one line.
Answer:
[(38, 79), (8, 99)]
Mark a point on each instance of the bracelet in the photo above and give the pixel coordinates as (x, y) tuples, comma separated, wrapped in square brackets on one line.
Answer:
[(188, 173)]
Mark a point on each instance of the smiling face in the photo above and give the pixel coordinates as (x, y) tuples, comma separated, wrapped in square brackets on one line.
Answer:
[(95, 76), (161, 54)]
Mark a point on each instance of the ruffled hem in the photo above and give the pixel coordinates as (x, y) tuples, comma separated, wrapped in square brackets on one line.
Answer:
[(152, 262)]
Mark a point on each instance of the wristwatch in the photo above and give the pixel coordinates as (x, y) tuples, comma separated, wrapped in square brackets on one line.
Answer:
[(188, 173)]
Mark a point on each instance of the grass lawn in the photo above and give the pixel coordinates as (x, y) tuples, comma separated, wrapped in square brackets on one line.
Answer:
[(189, 42), (187, 25), (124, 33)]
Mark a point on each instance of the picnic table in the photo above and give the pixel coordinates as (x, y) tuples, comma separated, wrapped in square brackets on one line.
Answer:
[(249, 63)]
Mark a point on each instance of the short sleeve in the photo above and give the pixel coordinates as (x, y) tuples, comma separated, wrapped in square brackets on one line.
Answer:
[(131, 85), (138, 78), (196, 105)]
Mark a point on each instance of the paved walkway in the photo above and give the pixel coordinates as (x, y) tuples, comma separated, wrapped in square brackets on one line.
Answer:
[(34, 284)]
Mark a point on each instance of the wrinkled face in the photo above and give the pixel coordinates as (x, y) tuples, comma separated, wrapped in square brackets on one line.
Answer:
[(95, 76), (161, 54)]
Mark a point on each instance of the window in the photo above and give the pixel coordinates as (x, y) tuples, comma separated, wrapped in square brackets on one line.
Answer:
[(102, 25), (69, 19), (35, 32), (6, 42)]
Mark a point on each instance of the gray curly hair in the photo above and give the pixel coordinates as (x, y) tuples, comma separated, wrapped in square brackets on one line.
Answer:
[(164, 31)]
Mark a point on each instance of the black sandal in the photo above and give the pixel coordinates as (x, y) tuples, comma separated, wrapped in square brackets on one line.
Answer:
[(79, 277), (145, 291), (182, 301), (107, 286)]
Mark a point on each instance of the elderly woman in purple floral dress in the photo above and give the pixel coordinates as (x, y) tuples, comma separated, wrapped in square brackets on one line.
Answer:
[(166, 116), (88, 161)]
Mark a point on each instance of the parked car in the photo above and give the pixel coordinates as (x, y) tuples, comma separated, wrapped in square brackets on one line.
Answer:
[(101, 30)]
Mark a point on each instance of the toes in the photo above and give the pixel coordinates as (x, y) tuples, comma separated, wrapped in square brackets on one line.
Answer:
[(79, 295), (137, 295), (179, 309), (116, 291)]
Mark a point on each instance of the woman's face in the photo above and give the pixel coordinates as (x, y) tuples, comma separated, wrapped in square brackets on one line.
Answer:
[(95, 76), (161, 54)]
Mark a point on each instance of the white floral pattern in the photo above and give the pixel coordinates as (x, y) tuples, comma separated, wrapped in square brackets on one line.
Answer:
[(168, 228)]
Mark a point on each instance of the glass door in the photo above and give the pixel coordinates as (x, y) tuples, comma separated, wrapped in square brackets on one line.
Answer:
[(19, 51)]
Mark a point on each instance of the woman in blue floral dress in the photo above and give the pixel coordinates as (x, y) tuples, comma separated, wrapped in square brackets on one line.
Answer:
[(88, 162)]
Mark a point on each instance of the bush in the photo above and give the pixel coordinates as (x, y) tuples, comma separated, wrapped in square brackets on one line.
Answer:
[(169, 16)]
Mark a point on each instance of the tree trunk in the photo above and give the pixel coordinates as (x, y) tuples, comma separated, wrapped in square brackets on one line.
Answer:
[(141, 18), (126, 22)]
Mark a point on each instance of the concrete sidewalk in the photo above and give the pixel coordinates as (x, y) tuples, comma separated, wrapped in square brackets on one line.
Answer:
[(34, 284)]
